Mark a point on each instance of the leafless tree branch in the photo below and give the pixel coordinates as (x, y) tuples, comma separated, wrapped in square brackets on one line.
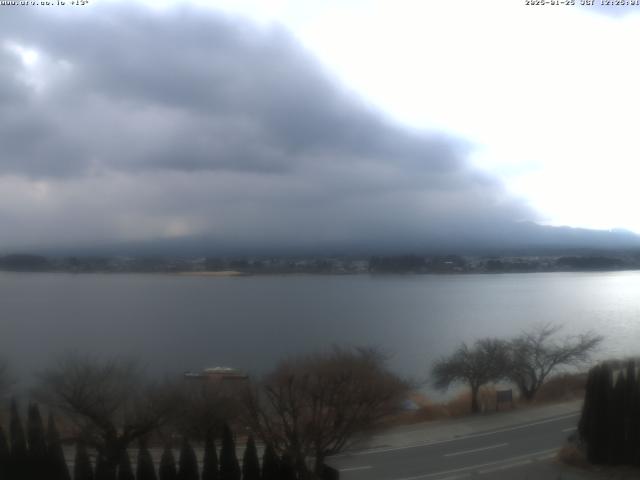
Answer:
[(314, 406)]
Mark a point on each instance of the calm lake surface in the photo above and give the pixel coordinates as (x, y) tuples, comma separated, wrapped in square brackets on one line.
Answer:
[(177, 323)]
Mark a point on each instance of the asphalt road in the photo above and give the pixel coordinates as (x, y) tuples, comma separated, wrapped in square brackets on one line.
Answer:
[(481, 454)]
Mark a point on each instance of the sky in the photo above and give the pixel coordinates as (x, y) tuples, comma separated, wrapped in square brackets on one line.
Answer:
[(314, 122)]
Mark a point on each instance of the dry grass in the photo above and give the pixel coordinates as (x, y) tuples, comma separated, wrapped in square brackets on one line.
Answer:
[(459, 406), (427, 411), (572, 455), (562, 388)]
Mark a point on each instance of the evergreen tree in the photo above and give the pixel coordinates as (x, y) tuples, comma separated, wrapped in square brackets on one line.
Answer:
[(635, 422), (604, 394), (104, 469), (250, 462), (35, 434), (585, 424), (125, 471), (145, 469), (210, 461), (82, 469), (617, 430), (589, 419), (287, 469), (100, 469), (610, 422), (19, 461), (37, 454), (632, 430), (4, 455), (56, 460), (270, 464), (229, 467), (188, 462), (168, 466)]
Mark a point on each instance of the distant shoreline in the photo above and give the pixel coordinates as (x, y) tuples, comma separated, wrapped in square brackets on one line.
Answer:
[(207, 273), (235, 273), (389, 265)]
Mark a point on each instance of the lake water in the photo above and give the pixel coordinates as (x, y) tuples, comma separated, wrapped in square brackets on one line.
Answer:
[(177, 323)]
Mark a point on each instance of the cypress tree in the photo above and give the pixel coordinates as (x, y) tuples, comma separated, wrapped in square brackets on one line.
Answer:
[(586, 422), (4, 455), (55, 453), (603, 395), (229, 467), (631, 378), (168, 465), (631, 431), (125, 471), (18, 439), (188, 462), (105, 470), (250, 462), (82, 469), (210, 460), (101, 470), (270, 464), (617, 438), (35, 433), (635, 422), (145, 469), (18, 464), (38, 458), (287, 469)]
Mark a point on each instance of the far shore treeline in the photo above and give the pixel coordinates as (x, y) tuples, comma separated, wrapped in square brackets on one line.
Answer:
[(522, 262)]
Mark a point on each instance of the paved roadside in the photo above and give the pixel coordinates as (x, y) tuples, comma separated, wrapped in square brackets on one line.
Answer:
[(507, 445), (554, 470), (435, 431)]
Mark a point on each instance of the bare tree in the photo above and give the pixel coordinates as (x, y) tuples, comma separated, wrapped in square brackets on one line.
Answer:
[(108, 400), (535, 354), (314, 406), (484, 362)]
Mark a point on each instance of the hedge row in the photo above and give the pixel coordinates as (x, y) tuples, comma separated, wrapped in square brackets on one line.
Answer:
[(37, 454)]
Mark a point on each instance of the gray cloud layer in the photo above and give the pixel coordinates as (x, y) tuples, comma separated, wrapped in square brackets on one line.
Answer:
[(136, 124)]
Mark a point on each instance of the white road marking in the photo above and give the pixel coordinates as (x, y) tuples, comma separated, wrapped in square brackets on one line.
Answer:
[(438, 442), (464, 452), (456, 477), (571, 429), (353, 469), (482, 465)]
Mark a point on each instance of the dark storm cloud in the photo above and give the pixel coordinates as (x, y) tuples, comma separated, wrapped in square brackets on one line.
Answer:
[(11, 91), (135, 123), (230, 96)]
